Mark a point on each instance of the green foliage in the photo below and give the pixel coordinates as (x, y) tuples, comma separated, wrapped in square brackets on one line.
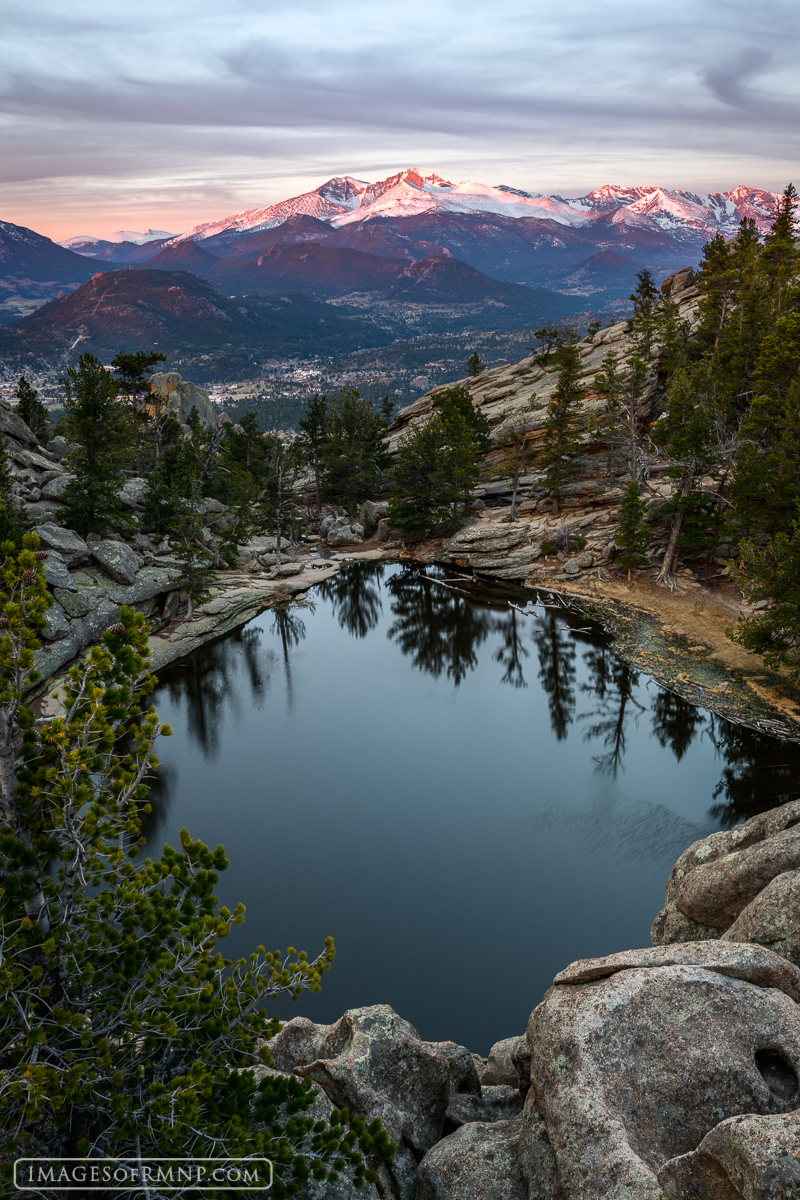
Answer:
[(133, 371), (100, 430), (644, 300), (353, 452), (123, 1030), (560, 456), (518, 455), (552, 340), (455, 404), (772, 573), (438, 464), (475, 365), (312, 436), (633, 534), (32, 411), (387, 408), (619, 421)]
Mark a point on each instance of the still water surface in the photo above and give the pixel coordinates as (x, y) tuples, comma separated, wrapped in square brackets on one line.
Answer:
[(466, 798)]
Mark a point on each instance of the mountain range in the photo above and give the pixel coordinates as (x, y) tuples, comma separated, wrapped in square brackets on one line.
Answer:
[(511, 234), (413, 254)]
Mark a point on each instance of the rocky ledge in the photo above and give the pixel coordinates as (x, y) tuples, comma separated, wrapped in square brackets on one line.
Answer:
[(665, 1072)]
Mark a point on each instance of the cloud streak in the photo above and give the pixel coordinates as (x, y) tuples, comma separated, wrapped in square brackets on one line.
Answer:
[(115, 116)]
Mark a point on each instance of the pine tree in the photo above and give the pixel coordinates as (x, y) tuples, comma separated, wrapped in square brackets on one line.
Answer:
[(32, 411), (619, 420), (560, 457), (780, 254), (518, 455), (124, 1032), (633, 535), (475, 365), (99, 429), (133, 371), (312, 438), (457, 403), (772, 573), (644, 301), (686, 437), (353, 451)]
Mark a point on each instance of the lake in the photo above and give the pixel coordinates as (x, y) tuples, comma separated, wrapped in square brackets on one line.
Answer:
[(465, 797)]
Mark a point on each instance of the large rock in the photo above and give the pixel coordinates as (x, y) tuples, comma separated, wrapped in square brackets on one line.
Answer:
[(773, 918), (56, 573), (82, 633), (117, 560), (729, 884), (509, 1063), (59, 447), (345, 535), (372, 510), (73, 549), (56, 625), (55, 488), (743, 1158), (148, 582), (182, 397), (79, 602), (477, 1162), (501, 1103), (373, 1062), (133, 492), (14, 427), (632, 1069), (717, 892)]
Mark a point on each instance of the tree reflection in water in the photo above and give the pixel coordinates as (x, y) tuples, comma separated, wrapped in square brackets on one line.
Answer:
[(206, 683), (355, 596), (440, 622), (611, 682), (291, 630), (512, 651), (555, 646), (438, 628)]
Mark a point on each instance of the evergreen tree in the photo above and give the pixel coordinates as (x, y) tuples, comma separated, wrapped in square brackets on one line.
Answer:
[(436, 467), (685, 435), (312, 438), (619, 420), (99, 429), (644, 301), (456, 403), (780, 254), (387, 408), (353, 451), (633, 534), (560, 456), (552, 340), (518, 455), (772, 573), (32, 411), (475, 365), (124, 1032), (133, 371)]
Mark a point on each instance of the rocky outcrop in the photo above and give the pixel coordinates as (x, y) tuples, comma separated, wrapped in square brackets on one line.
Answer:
[(739, 885), (182, 396)]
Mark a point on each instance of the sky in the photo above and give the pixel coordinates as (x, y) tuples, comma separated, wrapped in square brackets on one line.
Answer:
[(165, 113)]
